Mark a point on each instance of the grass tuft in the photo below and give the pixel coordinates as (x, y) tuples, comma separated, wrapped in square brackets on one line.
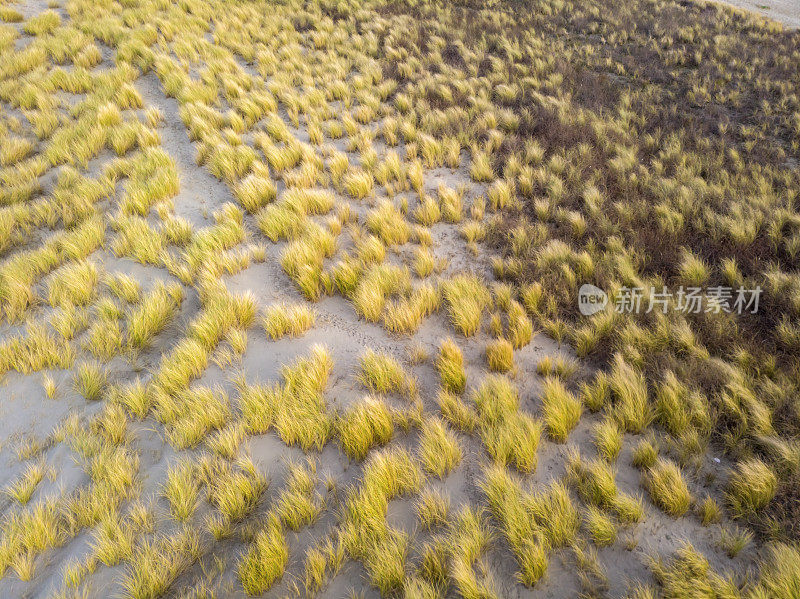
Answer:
[(293, 320), (752, 485), (562, 410), (666, 486)]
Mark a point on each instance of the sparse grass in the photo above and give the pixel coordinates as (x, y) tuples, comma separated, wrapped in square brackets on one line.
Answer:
[(780, 573), (124, 287), (301, 415), (44, 22), (734, 539), (595, 480), (49, 386), (532, 523), (645, 453), (560, 367), (510, 436), (299, 504), (690, 571), (371, 291), (158, 562), (23, 488), (358, 184), (406, 314), (254, 192), (233, 489), (631, 405), (73, 284), (455, 411), (388, 224), (589, 180)]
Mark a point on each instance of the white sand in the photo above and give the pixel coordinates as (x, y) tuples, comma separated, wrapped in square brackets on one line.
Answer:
[(784, 11)]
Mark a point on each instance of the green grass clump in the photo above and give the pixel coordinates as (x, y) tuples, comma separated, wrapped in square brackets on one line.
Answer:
[(157, 563), (666, 486), (125, 287), (469, 538), (690, 575), (780, 573), (358, 184), (406, 314), (301, 415), (608, 439), (383, 374), (466, 298), (559, 367), (73, 284), (293, 320), (734, 539), (440, 451), (233, 488), (299, 504), (595, 480), (153, 315), (500, 355), (265, 560), (562, 410), (254, 192), (90, 380), (601, 527), (456, 411), (44, 22), (709, 511), (181, 490), (433, 508), (371, 291), (751, 486), (191, 414), (366, 425), (631, 408), (366, 534), (509, 436), (389, 224), (645, 453), (532, 523), (303, 257), (496, 399), (450, 365)]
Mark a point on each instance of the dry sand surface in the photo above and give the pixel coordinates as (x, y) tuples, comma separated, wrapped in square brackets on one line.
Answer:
[(784, 11), (95, 426)]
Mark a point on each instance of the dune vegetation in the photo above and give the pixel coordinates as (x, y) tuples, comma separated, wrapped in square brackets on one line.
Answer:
[(289, 299)]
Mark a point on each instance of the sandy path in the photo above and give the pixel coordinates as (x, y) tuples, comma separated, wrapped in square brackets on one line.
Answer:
[(784, 11)]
